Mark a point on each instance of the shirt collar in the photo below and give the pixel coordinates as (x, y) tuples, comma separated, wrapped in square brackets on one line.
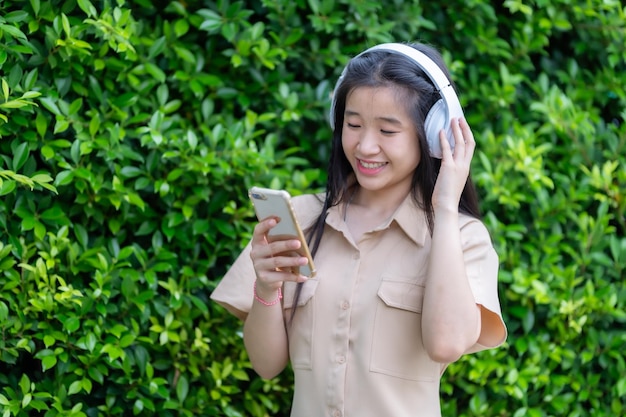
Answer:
[(412, 220), (408, 216)]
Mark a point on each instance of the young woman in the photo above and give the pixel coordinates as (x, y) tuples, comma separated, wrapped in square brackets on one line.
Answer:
[(406, 277)]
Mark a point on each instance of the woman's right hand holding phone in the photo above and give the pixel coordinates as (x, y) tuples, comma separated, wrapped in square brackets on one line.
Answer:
[(274, 261)]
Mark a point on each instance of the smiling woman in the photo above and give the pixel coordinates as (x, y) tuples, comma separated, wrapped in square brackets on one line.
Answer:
[(406, 271)]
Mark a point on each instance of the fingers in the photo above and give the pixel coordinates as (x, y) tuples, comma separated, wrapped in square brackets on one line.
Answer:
[(459, 139), (464, 143), (277, 261), (466, 134), (272, 271), (446, 152), (262, 228)]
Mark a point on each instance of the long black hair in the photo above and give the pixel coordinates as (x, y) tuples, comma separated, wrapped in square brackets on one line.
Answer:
[(380, 68)]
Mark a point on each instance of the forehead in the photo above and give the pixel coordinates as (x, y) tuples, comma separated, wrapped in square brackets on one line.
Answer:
[(383, 99)]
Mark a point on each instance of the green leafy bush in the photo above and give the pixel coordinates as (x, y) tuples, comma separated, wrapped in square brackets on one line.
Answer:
[(129, 132)]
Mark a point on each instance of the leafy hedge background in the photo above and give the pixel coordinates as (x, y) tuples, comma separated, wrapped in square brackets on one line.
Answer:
[(130, 131)]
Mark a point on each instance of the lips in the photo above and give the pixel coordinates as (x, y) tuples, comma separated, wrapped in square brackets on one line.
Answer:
[(370, 167)]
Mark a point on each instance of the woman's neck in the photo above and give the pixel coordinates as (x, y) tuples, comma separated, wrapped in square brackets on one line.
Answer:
[(378, 202), (366, 210)]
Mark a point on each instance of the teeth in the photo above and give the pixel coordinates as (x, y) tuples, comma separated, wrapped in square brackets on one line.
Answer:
[(371, 165)]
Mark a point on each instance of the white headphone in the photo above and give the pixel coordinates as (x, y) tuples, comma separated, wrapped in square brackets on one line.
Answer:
[(440, 114)]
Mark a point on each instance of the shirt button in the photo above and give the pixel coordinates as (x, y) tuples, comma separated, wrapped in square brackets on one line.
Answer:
[(341, 359), (345, 305), (356, 256), (336, 413)]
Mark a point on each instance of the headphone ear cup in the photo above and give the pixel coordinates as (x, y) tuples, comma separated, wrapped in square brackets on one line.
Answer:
[(437, 119)]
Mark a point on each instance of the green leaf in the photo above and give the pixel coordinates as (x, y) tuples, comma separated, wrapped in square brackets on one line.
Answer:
[(182, 388), (75, 152), (75, 387), (75, 107), (131, 172), (200, 305), (35, 4), (64, 178), (50, 105), (22, 152), (4, 312), (53, 213), (41, 124), (185, 54), (81, 235), (138, 407), (181, 27), (157, 47), (192, 139), (66, 25), (212, 21), (16, 16), (48, 340), (5, 89), (30, 95), (156, 72), (48, 362), (94, 125), (41, 178), (87, 385), (25, 384), (88, 8), (26, 400), (12, 31), (96, 375), (7, 187)]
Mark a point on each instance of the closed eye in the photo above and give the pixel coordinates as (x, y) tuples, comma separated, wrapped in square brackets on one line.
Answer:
[(353, 126), (387, 132)]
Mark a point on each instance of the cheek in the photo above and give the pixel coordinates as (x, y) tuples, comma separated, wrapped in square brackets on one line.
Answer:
[(348, 141), (410, 154), (413, 149), (418, 154), (417, 157)]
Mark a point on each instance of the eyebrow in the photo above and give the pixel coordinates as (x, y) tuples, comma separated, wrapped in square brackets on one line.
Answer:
[(387, 119)]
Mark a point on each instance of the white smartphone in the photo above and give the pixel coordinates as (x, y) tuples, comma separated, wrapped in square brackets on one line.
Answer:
[(277, 203)]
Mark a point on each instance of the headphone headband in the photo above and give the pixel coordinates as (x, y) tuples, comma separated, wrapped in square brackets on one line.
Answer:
[(441, 113)]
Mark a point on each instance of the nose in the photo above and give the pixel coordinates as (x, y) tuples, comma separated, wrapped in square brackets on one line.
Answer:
[(368, 142)]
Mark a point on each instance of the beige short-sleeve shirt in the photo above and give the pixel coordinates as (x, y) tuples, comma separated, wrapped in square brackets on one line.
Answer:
[(355, 343)]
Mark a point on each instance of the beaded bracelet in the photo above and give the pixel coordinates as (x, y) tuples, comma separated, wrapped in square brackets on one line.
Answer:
[(266, 303)]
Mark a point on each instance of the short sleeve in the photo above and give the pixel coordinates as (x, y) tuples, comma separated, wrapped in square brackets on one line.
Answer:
[(235, 291), (481, 261)]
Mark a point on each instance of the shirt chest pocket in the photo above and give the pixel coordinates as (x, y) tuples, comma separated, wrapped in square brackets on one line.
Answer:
[(397, 348), (300, 326)]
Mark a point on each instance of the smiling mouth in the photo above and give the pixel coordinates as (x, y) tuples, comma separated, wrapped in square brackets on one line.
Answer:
[(371, 165)]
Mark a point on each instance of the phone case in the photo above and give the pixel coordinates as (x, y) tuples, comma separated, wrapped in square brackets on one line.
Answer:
[(268, 202)]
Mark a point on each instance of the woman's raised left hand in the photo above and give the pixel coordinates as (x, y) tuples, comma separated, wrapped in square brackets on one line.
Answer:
[(455, 167)]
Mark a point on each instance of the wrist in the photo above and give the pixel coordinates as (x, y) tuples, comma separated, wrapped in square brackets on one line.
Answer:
[(446, 211), (267, 300)]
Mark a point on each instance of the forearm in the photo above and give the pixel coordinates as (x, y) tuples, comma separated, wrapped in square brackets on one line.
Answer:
[(265, 337), (450, 316)]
